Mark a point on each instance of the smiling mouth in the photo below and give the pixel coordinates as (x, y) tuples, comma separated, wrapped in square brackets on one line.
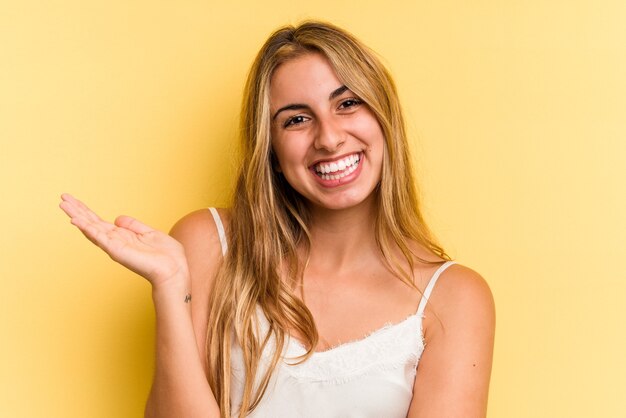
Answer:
[(337, 169)]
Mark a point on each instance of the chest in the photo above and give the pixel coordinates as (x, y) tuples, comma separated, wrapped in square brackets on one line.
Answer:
[(370, 377), (349, 308)]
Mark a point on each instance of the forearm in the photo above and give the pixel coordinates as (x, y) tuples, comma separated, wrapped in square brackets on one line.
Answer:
[(180, 387)]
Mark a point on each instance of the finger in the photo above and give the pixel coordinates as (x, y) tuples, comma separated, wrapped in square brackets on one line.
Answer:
[(132, 224), (81, 219), (68, 205), (90, 224), (68, 208), (96, 232), (74, 208), (80, 207)]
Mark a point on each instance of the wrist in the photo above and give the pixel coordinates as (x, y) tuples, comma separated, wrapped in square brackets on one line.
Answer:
[(176, 286)]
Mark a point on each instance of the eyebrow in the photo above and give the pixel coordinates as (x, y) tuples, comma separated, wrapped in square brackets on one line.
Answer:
[(299, 106), (337, 92)]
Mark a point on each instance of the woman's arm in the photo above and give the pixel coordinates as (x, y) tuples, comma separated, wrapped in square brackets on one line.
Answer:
[(180, 385), (180, 377), (453, 374)]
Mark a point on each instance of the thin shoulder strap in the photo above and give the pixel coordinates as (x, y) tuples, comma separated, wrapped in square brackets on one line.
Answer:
[(431, 284), (220, 230)]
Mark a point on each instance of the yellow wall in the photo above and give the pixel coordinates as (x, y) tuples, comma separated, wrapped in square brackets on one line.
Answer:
[(519, 109)]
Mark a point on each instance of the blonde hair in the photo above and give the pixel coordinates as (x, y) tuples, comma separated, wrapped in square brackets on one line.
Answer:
[(270, 220)]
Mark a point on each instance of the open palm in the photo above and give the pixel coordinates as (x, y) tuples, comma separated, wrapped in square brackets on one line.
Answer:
[(146, 251)]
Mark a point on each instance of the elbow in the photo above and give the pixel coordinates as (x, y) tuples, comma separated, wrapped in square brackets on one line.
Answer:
[(156, 409)]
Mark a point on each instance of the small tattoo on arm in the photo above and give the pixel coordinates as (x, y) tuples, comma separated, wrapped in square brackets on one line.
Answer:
[(187, 297)]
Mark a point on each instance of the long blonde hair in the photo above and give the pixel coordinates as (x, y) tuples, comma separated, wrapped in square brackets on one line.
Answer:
[(270, 220)]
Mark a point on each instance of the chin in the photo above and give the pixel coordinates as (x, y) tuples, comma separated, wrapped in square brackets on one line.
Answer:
[(344, 202)]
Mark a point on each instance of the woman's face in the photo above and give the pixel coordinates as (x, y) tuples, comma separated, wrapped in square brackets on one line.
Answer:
[(328, 143)]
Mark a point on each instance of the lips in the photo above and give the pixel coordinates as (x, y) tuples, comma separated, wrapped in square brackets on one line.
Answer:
[(337, 169)]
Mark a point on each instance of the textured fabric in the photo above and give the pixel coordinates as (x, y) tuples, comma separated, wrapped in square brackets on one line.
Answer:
[(369, 378)]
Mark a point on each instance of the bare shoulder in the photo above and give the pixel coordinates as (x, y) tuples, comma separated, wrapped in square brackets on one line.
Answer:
[(462, 284), (198, 233), (197, 227), (462, 297)]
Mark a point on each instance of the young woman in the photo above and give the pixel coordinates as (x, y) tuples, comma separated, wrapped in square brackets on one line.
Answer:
[(315, 295)]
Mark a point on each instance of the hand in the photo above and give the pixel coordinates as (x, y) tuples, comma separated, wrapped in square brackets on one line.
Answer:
[(148, 252)]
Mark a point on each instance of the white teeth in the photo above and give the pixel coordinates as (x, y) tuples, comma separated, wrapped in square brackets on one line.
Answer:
[(339, 168), (349, 165)]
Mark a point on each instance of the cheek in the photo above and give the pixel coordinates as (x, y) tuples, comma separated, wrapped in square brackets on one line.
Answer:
[(286, 158), (368, 128), (375, 138)]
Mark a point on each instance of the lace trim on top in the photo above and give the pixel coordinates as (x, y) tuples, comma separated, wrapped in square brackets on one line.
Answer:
[(390, 347)]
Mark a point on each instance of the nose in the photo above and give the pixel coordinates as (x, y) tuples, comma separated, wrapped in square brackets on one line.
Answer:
[(329, 136)]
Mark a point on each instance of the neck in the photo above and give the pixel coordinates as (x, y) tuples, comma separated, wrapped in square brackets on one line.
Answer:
[(339, 238)]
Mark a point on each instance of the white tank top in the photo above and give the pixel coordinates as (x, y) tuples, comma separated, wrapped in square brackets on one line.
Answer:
[(369, 378)]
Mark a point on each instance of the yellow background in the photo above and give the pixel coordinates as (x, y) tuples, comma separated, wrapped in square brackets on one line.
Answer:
[(517, 109)]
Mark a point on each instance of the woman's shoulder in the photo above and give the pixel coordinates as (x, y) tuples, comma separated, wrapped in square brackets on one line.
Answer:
[(199, 234), (461, 282), (200, 224), (456, 281), (462, 297)]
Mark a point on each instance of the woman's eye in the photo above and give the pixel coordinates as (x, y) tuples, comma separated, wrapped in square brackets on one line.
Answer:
[(350, 103), (295, 120)]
